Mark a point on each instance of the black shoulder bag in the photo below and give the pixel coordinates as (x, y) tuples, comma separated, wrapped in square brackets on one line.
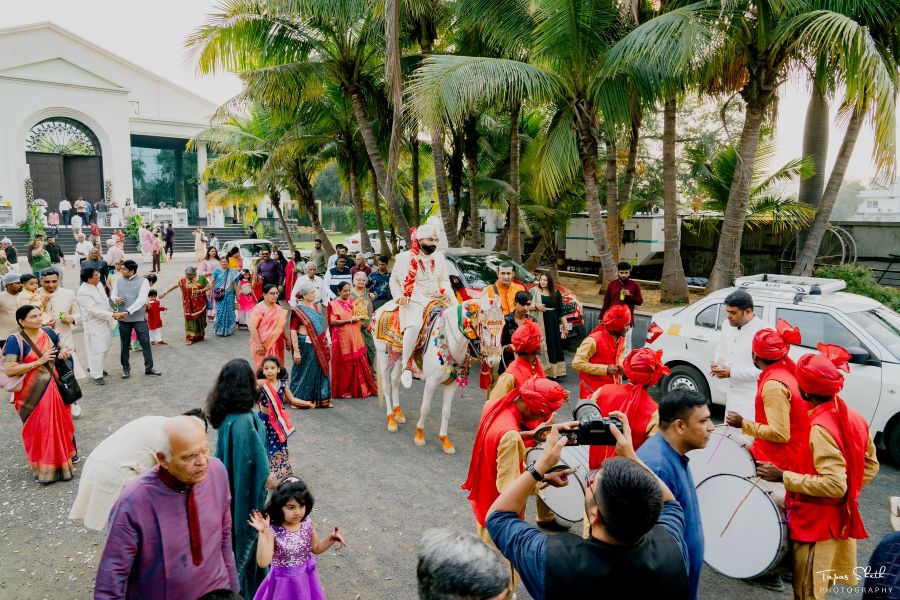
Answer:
[(65, 382)]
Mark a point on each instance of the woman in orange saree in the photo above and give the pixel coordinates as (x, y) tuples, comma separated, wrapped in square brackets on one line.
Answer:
[(267, 323), (48, 432), (351, 375)]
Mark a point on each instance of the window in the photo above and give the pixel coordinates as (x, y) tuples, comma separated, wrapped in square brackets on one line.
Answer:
[(871, 203), (709, 317), (818, 327), (481, 270), (881, 324)]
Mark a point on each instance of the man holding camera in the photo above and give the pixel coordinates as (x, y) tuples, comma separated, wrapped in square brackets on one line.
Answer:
[(637, 530), (498, 455), (685, 425), (599, 356)]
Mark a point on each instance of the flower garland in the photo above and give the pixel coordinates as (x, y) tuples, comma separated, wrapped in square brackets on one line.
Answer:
[(410, 280)]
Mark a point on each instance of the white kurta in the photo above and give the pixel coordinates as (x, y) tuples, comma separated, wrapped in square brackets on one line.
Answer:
[(96, 321), (431, 277), (62, 303), (735, 351), (125, 454)]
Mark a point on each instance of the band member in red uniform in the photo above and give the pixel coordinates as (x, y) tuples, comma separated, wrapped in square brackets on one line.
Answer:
[(498, 456), (823, 515), (782, 426), (643, 368), (527, 341), (598, 359)]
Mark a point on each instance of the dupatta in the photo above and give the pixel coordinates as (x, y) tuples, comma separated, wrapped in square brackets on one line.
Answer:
[(270, 325), (278, 418), (317, 337), (347, 338), (192, 298)]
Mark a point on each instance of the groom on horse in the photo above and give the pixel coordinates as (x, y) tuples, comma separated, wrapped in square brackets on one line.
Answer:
[(419, 277)]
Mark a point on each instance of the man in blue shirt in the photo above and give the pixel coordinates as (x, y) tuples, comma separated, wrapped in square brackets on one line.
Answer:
[(380, 283), (685, 425), (636, 547)]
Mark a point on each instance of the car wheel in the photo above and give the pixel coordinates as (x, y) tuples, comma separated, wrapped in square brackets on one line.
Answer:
[(892, 442), (688, 378)]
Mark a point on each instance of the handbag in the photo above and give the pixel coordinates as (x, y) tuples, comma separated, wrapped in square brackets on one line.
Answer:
[(68, 386), (219, 293), (13, 384)]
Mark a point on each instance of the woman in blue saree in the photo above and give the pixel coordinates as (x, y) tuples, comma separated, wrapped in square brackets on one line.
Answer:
[(311, 353), (224, 290)]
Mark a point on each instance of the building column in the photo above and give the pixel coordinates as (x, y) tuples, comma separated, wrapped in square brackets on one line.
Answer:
[(201, 187), (179, 178)]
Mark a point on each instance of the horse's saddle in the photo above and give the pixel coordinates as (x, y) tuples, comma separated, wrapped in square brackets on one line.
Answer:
[(387, 328)]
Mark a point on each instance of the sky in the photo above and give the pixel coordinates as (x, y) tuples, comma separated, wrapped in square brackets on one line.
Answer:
[(152, 33)]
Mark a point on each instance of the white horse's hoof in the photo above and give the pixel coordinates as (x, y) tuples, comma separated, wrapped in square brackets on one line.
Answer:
[(419, 440), (391, 424), (406, 378), (446, 446)]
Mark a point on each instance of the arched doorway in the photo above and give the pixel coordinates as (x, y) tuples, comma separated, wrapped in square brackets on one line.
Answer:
[(63, 156)]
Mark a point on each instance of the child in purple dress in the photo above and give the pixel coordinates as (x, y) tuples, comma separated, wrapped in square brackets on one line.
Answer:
[(289, 543)]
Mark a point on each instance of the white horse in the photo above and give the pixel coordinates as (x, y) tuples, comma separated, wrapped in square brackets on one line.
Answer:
[(450, 349)]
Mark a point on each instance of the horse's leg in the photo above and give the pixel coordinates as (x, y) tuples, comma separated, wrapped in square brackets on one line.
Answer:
[(446, 445), (385, 389), (430, 383), (394, 383)]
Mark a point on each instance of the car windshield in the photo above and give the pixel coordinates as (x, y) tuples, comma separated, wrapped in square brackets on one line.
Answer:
[(480, 271), (883, 325), (255, 248)]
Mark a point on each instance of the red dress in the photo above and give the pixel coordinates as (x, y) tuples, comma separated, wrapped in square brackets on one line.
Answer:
[(351, 375), (154, 314)]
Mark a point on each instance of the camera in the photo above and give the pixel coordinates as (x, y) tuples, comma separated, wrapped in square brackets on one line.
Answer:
[(593, 428)]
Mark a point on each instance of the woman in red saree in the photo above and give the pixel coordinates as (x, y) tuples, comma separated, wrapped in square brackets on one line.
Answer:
[(351, 375), (48, 432), (267, 324), (193, 298)]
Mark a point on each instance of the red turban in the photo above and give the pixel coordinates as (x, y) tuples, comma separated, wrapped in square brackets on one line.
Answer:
[(527, 338), (542, 396), (774, 344), (820, 374), (644, 367), (617, 318)]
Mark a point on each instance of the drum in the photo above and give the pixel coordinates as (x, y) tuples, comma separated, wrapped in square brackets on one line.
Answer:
[(744, 525), (728, 451), (577, 458), (568, 501)]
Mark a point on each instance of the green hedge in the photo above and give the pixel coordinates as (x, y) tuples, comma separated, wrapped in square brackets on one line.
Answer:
[(860, 281)]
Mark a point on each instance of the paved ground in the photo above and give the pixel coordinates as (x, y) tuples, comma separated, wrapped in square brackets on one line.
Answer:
[(378, 487)]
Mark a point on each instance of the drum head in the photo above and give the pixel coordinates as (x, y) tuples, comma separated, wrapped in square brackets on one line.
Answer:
[(755, 540), (726, 452), (577, 458), (567, 502)]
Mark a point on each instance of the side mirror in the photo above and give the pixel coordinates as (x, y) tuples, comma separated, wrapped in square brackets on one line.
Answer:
[(861, 356)]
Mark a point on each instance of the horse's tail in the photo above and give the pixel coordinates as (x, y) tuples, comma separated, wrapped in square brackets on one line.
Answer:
[(379, 359)]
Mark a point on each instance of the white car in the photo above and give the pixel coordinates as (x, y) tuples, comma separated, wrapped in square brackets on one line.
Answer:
[(249, 248), (866, 328), (353, 243)]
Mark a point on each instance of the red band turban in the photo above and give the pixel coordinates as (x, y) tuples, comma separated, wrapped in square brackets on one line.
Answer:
[(617, 318), (541, 396), (773, 344), (644, 367), (820, 374), (527, 338)]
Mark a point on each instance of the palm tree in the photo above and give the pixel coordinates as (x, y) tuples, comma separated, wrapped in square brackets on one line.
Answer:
[(569, 43), (752, 44)]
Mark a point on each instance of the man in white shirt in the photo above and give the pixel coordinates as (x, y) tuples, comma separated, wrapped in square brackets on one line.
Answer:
[(114, 254), (312, 278), (734, 356), (82, 248), (340, 250), (97, 317), (62, 308), (65, 209)]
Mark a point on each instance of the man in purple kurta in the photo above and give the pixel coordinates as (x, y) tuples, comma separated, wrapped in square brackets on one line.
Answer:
[(170, 530)]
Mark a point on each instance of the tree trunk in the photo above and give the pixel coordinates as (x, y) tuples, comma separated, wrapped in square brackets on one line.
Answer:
[(806, 260), (553, 251), (631, 165), (463, 226), (470, 130), (815, 146), (276, 205), (586, 126), (307, 200), (514, 229), (381, 176), (379, 221), (455, 168), (728, 253), (612, 198), (365, 243), (416, 199), (502, 235), (534, 261), (393, 75), (673, 285)]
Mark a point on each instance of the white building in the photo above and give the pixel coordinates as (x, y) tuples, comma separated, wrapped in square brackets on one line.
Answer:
[(878, 205), (76, 120)]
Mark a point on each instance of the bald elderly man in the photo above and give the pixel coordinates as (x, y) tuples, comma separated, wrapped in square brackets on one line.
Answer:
[(170, 530)]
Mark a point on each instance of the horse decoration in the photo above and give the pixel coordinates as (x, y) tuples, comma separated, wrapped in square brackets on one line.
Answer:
[(452, 339)]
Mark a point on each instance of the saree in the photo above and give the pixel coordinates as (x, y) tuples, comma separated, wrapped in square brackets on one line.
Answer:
[(278, 426), (270, 322), (47, 428), (309, 379), (352, 376), (362, 308), (226, 319), (194, 301)]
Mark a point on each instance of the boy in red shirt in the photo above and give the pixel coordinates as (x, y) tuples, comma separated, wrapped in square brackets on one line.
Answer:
[(154, 318)]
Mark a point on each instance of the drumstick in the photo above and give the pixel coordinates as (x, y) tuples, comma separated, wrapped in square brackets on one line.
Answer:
[(716, 449), (740, 504)]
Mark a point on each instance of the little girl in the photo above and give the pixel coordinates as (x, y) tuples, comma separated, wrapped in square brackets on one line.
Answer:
[(289, 543), (246, 300), (270, 379), (154, 318)]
